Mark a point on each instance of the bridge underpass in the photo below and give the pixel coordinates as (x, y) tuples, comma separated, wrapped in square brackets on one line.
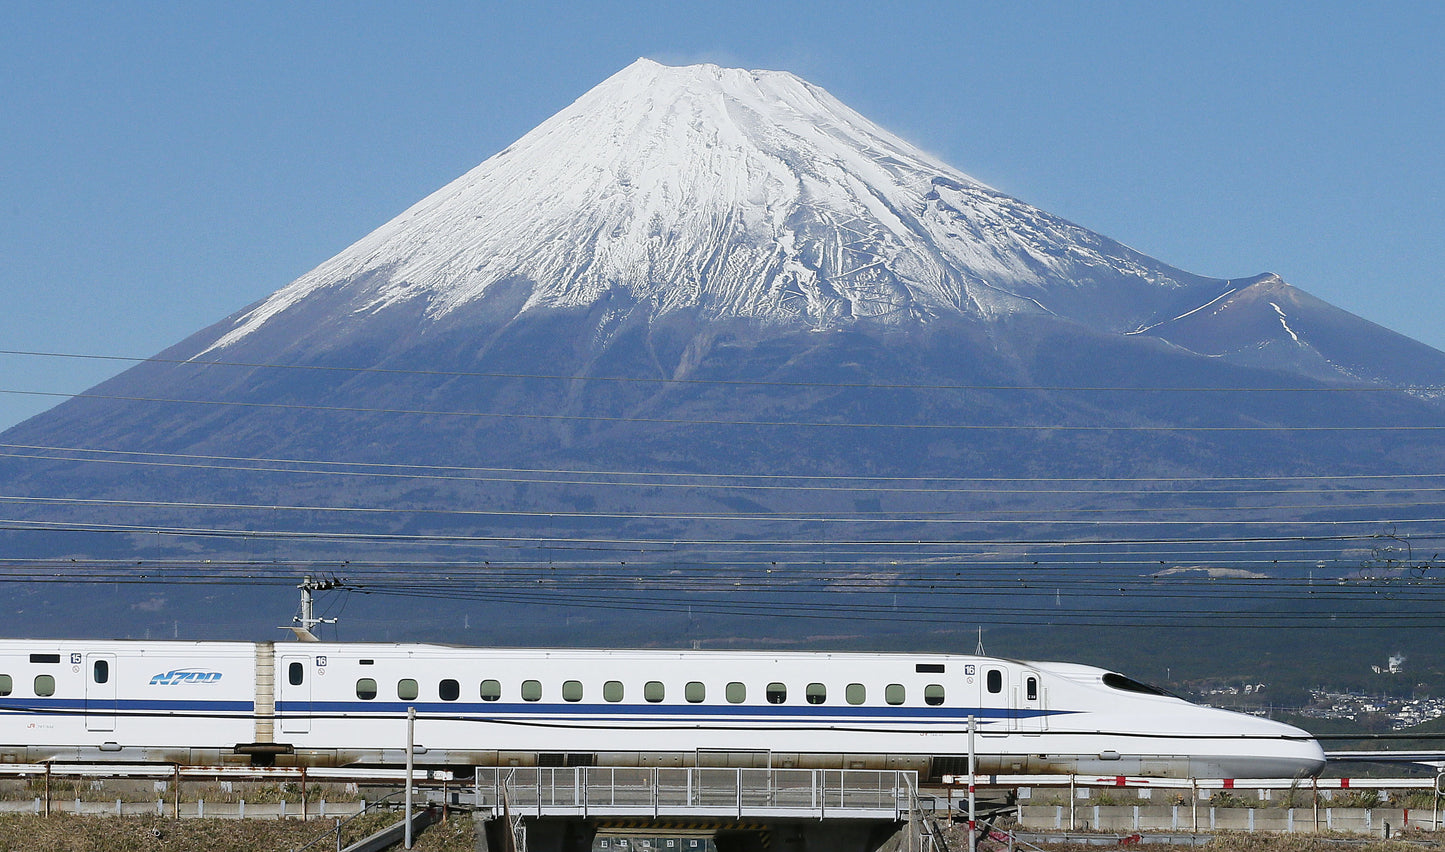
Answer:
[(561, 809)]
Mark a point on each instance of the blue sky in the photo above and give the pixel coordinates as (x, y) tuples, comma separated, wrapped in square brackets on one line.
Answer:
[(165, 164)]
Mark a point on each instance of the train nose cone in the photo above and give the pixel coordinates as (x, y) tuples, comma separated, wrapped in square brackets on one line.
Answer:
[(1275, 750)]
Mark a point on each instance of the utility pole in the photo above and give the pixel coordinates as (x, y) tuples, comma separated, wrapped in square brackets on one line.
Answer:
[(410, 768), (307, 618)]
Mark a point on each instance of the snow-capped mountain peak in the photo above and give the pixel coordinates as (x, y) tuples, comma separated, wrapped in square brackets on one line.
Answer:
[(735, 193)]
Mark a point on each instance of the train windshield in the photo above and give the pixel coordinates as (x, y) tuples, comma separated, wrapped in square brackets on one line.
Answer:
[(1128, 684)]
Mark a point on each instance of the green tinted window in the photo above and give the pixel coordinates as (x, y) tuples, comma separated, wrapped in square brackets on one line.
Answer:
[(894, 693), (612, 690), (737, 693), (406, 689), (531, 690), (695, 692), (856, 693), (366, 689), (653, 691), (44, 685), (572, 690), (491, 690)]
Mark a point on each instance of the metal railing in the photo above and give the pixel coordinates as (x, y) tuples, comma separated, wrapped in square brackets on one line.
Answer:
[(738, 793)]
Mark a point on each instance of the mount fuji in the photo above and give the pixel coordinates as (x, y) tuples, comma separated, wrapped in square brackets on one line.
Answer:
[(728, 194), (704, 272)]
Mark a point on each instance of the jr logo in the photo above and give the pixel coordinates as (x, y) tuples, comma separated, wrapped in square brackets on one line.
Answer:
[(173, 677)]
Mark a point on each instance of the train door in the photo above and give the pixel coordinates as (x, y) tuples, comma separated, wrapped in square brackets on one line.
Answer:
[(293, 703), (1028, 715), (100, 692), (994, 715)]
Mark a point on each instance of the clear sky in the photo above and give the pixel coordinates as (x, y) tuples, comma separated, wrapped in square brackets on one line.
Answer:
[(165, 164)]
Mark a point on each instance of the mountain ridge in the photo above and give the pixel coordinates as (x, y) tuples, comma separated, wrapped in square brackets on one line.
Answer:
[(734, 193)]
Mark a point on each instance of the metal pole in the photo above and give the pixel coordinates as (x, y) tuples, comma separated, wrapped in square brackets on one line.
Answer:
[(1435, 818), (972, 779), (410, 760), (1194, 803), (307, 608)]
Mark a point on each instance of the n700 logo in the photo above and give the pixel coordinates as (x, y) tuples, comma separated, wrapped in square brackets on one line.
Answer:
[(173, 677)]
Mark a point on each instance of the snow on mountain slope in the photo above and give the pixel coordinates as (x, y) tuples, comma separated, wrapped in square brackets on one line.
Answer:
[(737, 193)]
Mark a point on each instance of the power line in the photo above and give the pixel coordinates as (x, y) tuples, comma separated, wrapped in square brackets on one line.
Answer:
[(878, 517), (662, 380), (678, 421), (29, 525), (837, 484), (756, 477)]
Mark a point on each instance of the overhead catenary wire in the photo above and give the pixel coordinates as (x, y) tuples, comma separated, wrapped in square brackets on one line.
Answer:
[(837, 606)]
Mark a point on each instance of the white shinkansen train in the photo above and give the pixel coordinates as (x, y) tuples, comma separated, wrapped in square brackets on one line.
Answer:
[(332, 704)]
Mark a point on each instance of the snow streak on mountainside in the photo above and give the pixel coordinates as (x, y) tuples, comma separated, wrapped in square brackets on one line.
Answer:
[(737, 193)]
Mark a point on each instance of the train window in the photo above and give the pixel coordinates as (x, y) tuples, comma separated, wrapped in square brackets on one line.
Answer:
[(491, 690), (933, 695), (7, 685), (816, 693), (894, 694), (1031, 688), (44, 685), (366, 688), (856, 693), (612, 690), (737, 693), (995, 681), (449, 690), (695, 692), (653, 691), (531, 690), (295, 674), (44, 658), (1128, 684), (102, 671), (571, 690), (777, 693), (406, 689)]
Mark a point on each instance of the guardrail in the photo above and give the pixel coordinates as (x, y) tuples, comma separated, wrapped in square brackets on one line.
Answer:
[(698, 792), (1193, 808)]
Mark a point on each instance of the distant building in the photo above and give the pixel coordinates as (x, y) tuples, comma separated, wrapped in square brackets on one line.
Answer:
[(1394, 665)]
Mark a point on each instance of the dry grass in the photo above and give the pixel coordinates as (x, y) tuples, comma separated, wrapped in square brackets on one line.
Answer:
[(1306, 843), (69, 833)]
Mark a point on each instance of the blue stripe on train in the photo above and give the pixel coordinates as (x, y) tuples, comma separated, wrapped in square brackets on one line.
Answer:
[(803, 713), (132, 705)]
